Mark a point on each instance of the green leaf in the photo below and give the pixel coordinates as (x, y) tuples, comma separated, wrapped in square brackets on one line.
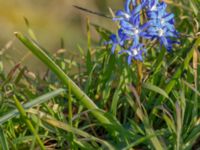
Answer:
[(3, 140), (155, 89), (30, 104)]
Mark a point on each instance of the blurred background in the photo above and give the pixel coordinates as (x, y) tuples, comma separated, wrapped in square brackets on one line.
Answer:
[(51, 20)]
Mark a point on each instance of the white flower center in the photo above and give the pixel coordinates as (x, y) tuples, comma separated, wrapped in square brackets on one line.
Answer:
[(161, 32), (135, 31), (153, 8), (127, 16), (162, 21), (135, 51)]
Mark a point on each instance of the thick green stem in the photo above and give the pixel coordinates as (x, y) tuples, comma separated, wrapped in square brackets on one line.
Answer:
[(40, 53)]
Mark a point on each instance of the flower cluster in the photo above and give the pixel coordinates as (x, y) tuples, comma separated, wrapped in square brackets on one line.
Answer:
[(145, 20)]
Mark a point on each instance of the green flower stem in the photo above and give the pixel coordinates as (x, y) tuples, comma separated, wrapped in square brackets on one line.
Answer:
[(40, 53), (28, 122)]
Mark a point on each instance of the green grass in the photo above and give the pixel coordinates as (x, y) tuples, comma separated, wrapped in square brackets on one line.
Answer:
[(94, 103)]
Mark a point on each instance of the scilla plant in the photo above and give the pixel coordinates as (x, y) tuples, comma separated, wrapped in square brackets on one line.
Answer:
[(140, 21), (98, 105)]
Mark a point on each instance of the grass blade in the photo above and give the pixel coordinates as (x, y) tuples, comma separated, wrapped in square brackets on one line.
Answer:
[(28, 122), (32, 103), (3, 141), (155, 89)]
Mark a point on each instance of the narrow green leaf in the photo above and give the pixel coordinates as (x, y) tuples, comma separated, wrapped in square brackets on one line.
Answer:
[(191, 87), (155, 89), (3, 140), (115, 100), (28, 122), (30, 104)]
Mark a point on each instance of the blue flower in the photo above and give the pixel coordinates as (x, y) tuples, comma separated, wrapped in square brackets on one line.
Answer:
[(116, 40), (123, 14), (162, 25), (113, 41), (133, 28), (158, 24), (130, 20), (152, 5), (135, 52), (127, 13)]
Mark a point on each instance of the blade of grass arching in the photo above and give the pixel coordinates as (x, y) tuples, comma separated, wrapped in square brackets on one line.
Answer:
[(3, 140), (28, 122), (192, 88), (79, 132), (155, 89), (39, 52), (32, 103)]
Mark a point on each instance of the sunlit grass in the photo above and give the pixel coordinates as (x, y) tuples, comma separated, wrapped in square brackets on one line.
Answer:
[(93, 101)]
